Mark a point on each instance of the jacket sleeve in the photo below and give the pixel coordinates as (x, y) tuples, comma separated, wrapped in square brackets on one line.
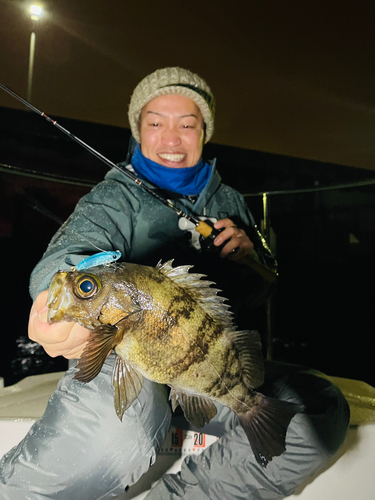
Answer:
[(101, 221)]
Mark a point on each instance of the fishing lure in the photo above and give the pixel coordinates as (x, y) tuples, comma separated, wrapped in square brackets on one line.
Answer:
[(98, 259)]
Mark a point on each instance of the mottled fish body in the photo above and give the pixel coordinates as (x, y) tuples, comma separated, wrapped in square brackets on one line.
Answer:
[(170, 326)]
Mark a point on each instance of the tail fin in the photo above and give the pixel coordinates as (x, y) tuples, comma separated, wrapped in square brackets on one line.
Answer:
[(265, 426)]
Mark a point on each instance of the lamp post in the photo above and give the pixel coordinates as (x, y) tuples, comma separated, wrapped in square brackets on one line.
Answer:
[(35, 14)]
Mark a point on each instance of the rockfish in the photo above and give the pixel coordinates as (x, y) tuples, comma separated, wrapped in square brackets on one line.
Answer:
[(170, 326)]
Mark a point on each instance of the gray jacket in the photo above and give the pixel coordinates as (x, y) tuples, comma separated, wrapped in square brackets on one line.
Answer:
[(119, 215)]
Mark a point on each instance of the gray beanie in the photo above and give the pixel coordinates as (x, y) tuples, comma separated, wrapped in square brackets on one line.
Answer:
[(172, 81)]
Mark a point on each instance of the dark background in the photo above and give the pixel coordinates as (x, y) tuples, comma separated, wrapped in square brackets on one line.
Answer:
[(290, 77), (322, 313)]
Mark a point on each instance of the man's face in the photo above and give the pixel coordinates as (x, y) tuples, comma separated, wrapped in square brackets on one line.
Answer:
[(172, 132)]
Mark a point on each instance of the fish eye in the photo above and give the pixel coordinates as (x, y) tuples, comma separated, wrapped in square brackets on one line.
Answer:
[(86, 287)]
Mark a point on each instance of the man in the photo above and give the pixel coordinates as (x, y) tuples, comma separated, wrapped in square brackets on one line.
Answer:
[(80, 449)]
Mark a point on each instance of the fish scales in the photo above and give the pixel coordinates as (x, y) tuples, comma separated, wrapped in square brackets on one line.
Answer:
[(159, 336), (168, 325), (175, 330)]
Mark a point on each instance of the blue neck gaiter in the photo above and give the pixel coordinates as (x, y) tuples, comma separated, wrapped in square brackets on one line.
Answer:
[(186, 181)]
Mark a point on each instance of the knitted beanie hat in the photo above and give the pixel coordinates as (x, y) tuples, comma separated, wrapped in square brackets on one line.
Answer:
[(172, 81)]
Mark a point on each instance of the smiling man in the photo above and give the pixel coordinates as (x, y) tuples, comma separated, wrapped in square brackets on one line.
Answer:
[(79, 449), (172, 131)]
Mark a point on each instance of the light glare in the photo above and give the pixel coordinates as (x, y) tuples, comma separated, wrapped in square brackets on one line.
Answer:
[(36, 12)]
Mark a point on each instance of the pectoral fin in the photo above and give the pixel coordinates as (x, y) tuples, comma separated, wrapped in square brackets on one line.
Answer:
[(197, 409), (127, 383), (101, 341)]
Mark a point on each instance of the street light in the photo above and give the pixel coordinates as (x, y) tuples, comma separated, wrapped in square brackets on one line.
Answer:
[(36, 12)]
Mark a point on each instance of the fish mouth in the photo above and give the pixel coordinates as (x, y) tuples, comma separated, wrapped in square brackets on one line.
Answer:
[(58, 300)]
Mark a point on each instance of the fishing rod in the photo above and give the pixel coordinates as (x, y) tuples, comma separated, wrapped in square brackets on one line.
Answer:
[(204, 228)]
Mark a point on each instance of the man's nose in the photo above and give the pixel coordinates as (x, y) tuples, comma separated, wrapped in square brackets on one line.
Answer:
[(171, 137)]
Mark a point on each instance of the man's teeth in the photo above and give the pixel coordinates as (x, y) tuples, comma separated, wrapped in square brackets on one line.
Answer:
[(172, 157)]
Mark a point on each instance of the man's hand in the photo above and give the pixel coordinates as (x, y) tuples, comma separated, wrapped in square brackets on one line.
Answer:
[(238, 244), (66, 339)]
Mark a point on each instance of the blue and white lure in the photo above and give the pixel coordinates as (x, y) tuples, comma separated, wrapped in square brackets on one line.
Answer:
[(98, 259)]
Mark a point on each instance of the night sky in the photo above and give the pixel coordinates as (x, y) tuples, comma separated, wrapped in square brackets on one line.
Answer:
[(293, 78)]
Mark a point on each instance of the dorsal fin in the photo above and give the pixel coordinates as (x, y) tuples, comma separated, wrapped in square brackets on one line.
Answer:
[(200, 290)]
